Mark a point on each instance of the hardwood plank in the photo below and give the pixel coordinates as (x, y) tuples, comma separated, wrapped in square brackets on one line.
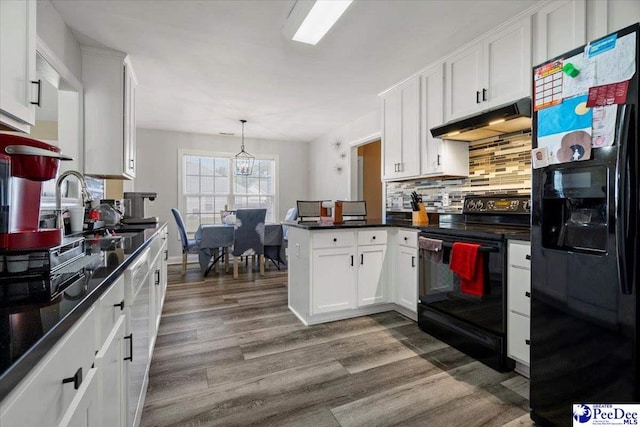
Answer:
[(230, 352), (237, 399)]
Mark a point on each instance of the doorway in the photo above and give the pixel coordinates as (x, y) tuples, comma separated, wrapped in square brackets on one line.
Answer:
[(370, 177)]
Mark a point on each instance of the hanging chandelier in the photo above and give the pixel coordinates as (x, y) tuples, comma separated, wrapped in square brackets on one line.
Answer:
[(243, 161)]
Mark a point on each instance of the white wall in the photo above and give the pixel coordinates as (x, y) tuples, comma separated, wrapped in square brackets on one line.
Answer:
[(157, 153), (326, 181), (58, 37)]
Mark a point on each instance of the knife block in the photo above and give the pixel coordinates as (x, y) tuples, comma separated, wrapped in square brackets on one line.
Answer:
[(420, 216)]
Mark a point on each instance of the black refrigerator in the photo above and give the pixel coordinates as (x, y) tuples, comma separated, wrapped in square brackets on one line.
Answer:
[(584, 231)]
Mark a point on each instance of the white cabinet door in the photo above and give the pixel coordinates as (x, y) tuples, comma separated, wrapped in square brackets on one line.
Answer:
[(18, 63), (464, 82), (111, 374), (432, 94), (518, 344), (560, 27), (401, 131), (129, 165), (410, 163), (84, 410), (507, 61), (406, 279), (371, 275), (391, 133), (50, 389), (138, 341), (333, 278), (109, 119)]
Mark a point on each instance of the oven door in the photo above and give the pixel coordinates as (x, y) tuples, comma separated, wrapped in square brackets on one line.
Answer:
[(440, 288)]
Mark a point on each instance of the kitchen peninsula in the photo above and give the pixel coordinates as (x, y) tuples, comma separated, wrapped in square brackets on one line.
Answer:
[(352, 269), (92, 343)]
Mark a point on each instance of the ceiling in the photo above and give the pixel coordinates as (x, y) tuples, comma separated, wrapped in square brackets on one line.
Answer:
[(203, 65)]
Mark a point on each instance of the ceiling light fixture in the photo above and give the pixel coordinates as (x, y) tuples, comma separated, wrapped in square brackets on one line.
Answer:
[(243, 161), (495, 122), (309, 20)]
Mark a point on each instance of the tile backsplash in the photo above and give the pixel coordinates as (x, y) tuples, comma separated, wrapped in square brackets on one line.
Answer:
[(496, 165)]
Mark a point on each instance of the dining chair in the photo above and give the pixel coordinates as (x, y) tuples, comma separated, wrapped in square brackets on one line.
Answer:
[(188, 246), (309, 208), (249, 237), (356, 209)]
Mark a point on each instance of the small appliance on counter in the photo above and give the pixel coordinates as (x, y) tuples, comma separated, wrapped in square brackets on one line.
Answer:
[(134, 210), (39, 275), (24, 164)]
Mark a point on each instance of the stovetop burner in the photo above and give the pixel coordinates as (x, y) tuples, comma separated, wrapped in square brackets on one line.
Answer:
[(493, 217)]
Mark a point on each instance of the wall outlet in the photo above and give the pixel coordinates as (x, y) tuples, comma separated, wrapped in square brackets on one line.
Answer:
[(445, 198)]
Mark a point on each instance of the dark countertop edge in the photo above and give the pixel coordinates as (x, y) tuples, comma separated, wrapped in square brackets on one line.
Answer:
[(312, 225), (25, 364)]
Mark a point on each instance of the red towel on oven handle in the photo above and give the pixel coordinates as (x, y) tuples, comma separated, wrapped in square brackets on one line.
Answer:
[(467, 262)]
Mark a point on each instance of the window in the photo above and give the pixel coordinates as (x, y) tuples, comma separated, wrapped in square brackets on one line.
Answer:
[(209, 186)]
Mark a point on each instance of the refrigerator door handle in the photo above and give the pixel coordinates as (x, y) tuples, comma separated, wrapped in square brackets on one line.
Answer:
[(624, 202)]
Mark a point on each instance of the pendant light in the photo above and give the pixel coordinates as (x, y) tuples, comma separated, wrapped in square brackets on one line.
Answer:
[(243, 161)]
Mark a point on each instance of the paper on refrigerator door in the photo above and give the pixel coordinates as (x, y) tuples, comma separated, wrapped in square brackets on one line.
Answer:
[(579, 85), (616, 62), (604, 126)]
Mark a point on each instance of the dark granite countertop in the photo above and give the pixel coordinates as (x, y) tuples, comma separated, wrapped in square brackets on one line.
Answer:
[(351, 224), (452, 227), (29, 330)]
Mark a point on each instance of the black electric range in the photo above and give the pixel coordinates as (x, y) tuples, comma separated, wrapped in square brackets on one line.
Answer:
[(473, 323)]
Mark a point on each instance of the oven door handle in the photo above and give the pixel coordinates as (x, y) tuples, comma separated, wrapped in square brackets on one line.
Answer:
[(482, 248)]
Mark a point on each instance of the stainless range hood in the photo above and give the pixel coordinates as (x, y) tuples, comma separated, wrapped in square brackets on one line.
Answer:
[(496, 121)]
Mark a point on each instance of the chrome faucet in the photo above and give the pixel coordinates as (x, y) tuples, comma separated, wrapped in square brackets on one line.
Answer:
[(86, 196)]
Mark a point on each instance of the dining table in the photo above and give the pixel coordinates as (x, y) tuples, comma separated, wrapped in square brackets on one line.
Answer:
[(215, 243)]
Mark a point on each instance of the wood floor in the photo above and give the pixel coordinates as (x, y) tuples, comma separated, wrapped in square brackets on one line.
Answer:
[(230, 353)]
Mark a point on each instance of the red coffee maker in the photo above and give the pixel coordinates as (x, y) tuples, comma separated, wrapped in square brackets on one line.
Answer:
[(24, 164)]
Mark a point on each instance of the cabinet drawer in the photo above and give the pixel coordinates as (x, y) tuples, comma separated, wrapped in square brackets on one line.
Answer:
[(372, 237), (518, 337), (111, 307), (519, 254), (42, 397), (408, 238), (519, 290), (333, 239)]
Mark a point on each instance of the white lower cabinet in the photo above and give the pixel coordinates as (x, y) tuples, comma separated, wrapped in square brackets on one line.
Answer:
[(97, 373), (372, 281), (84, 410), (519, 303), (406, 273), (45, 397), (333, 271), (336, 274)]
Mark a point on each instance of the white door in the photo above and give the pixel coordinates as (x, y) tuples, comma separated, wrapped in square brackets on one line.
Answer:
[(507, 57), (391, 133), (407, 278), (110, 365), (333, 272), (371, 278), (84, 410), (464, 80), (433, 106), (18, 60), (410, 162)]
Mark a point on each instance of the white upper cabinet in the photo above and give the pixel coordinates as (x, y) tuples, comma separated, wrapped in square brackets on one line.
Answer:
[(401, 131), (493, 71), (560, 27), (438, 157), (109, 101), (464, 82), (19, 90), (507, 61)]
